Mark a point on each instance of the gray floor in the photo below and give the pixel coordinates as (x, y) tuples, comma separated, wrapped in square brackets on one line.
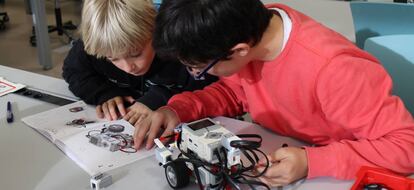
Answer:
[(15, 49)]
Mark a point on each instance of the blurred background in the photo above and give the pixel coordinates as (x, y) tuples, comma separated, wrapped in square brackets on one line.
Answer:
[(18, 46)]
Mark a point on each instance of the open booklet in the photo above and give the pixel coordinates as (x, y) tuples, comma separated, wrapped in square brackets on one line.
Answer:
[(94, 144), (9, 87)]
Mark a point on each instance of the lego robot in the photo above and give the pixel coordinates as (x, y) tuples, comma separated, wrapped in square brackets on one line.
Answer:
[(212, 154)]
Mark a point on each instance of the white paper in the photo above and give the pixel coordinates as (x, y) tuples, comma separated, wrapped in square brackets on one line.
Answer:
[(54, 122), (73, 140), (9, 87), (94, 159)]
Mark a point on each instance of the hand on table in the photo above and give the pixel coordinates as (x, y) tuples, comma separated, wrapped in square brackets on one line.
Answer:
[(289, 164), (136, 112), (150, 127), (113, 108)]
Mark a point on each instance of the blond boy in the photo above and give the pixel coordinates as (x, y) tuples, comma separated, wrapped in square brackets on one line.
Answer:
[(114, 65)]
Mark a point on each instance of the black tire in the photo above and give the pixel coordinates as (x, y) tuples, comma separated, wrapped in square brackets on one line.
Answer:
[(177, 175)]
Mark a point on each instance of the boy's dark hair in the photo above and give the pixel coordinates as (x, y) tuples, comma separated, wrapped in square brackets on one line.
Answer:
[(203, 30)]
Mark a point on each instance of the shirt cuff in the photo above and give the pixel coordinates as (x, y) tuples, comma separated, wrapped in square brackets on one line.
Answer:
[(320, 162), (172, 109), (177, 109)]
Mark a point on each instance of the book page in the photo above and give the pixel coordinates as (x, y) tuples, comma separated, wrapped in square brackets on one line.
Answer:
[(9, 87), (63, 121), (96, 156)]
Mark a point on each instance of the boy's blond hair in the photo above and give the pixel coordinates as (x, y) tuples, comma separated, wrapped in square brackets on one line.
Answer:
[(116, 27)]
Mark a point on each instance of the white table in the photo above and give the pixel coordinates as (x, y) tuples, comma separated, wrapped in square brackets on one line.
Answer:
[(30, 161)]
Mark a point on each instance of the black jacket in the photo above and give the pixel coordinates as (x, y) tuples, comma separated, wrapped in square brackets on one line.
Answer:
[(98, 80)]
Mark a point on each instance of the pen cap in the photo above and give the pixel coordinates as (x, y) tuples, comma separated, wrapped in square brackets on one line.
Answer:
[(9, 113)]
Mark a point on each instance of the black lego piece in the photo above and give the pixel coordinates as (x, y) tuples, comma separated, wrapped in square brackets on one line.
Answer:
[(43, 97)]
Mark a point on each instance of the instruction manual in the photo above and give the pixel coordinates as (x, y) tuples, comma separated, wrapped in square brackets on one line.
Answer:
[(9, 87), (94, 144)]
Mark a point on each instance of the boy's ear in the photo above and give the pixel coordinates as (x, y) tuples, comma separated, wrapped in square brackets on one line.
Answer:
[(241, 49)]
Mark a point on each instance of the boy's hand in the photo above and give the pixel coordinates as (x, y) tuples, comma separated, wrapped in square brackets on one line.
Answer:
[(113, 108), (150, 126), (136, 113), (289, 164)]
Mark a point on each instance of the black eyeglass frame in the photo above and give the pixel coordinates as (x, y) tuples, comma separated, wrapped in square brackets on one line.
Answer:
[(201, 75)]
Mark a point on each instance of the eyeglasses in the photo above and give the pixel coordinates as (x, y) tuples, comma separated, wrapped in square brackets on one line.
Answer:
[(201, 75)]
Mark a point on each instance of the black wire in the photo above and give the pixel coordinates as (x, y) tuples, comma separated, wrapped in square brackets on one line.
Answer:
[(252, 183), (234, 178), (226, 174), (247, 143), (133, 150), (198, 176), (123, 138), (250, 159), (123, 149), (254, 162), (247, 147), (265, 168), (231, 181)]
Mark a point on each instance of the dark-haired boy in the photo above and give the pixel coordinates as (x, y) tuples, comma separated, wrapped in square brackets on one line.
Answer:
[(295, 77)]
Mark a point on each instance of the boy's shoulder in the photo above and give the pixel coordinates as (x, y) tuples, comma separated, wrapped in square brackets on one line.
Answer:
[(313, 37)]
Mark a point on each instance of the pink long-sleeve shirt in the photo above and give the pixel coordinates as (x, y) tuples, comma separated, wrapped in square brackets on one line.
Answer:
[(323, 90)]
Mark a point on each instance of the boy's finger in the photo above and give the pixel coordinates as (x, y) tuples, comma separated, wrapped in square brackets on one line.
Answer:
[(275, 156), (259, 169), (112, 110), (127, 116), (151, 136), (140, 117), (99, 112), (279, 154), (153, 132), (105, 111), (133, 119), (263, 161), (129, 99), (275, 171), (120, 105), (141, 130)]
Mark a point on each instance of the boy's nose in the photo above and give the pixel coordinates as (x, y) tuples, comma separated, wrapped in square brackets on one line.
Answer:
[(128, 67)]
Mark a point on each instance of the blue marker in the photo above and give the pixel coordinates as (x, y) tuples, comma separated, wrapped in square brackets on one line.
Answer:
[(9, 113)]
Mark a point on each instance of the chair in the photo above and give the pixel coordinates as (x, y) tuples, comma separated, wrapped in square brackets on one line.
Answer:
[(3, 18), (396, 53), (377, 19), (60, 28)]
